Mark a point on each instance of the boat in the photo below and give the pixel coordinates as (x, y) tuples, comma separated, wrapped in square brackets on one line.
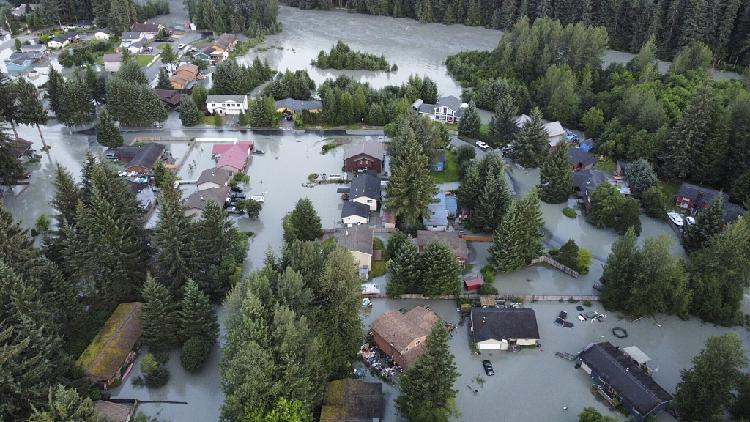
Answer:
[(258, 151)]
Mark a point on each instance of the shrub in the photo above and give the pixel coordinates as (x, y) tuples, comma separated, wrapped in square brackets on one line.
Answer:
[(569, 212), (155, 374), (194, 353), (583, 261), (488, 274), (587, 303), (654, 202), (487, 289), (217, 120)]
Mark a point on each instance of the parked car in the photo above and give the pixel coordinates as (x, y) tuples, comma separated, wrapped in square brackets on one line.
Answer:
[(236, 195), (180, 46), (481, 145), (488, 368), (236, 189)]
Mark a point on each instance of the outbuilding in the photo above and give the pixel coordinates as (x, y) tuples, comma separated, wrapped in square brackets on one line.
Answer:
[(503, 328)]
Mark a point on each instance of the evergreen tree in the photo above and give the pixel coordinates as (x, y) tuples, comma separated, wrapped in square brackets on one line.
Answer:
[(159, 318), (532, 141), (107, 134), (302, 223), (493, 197), (10, 168), (556, 178), (427, 392), (199, 96), (705, 390), (29, 109), (189, 113), (262, 112), (518, 240), (654, 202), (65, 404), (439, 270), (163, 81), (196, 315), (403, 268), (643, 281), (131, 103), (122, 14), (173, 240), (503, 124), (641, 176), (470, 124), (66, 196), (167, 55), (708, 223), (75, 107), (131, 71), (55, 85)]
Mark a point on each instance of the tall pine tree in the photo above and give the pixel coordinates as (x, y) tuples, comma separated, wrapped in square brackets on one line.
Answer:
[(556, 179), (531, 142), (518, 240)]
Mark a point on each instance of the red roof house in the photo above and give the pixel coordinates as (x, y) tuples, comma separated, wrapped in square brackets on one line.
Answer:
[(473, 282), (218, 149), (232, 157)]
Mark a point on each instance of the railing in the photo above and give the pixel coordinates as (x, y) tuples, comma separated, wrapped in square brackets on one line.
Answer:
[(544, 259)]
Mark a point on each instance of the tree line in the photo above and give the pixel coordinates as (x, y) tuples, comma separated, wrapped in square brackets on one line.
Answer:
[(341, 56), (117, 15), (722, 25), (250, 17)]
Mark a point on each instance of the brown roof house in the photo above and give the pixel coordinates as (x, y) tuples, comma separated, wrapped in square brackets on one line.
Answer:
[(114, 412), (185, 76), (169, 97), (361, 156), (110, 355), (453, 239), (351, 400), (214, 178), (402, 335), (195, 203), (141, 159)]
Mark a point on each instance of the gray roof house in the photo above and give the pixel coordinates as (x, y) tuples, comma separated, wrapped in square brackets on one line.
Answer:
[(580, 159), (358, 240), (448, 109), (694, 198), (365, 189), (213, 178), (501, 328), (131, 36), (617, 374), (585, 182), (298, 105), (195, 203), (355, 213)]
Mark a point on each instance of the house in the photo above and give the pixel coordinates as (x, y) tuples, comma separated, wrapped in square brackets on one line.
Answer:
[(196, 202), (447, 110), (503, 328), (402, 335), (202, 56), (365, 189), (580, 159), (585, 182), (473, 282), (169, 97), (23, 9), (620, 378), (23, 61), (438, 161), (222, 46), (232, 157), (352, 400), (101, 36), (290, 105), (555, 132), (226, 104), (137, 47), (453, 239), (42, 48), (128, 38), (694, 198), (354, 213), (358, 240), (109, 357), (441, 210), (522, 120), (148, 29), (114, 412), (112, 62), (185, 76), (140, 159), (363, 156), (213, 178), (62, 40), (21, 149)]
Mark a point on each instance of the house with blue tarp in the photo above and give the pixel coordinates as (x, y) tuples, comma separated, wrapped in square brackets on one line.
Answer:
[(441, 211)]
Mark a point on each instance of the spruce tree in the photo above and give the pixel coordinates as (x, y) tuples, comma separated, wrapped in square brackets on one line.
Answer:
[(531, 142), (163, 81), (220, 249), (438, 270), (641, 176), (10, 168), (75, 107), (302, 223), (494, 197), (173, 240), (556, 178), (196, 315), (470, 124), (159, 318), (708, 223), (66, 196), (518, 240), (107, 134), (189, 113), (29, 109), (403, 268), (427, 392), (54, 89), (503, 124)]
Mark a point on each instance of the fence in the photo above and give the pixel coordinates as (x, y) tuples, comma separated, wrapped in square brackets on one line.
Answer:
[(544, 259), (506, 297)]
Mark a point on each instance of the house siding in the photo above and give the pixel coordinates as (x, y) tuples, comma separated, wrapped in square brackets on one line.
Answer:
[(370, 202), (354, 220), (362, 162)]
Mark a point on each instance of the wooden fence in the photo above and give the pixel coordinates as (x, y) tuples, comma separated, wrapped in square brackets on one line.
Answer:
[(544, 259), (506, 297)]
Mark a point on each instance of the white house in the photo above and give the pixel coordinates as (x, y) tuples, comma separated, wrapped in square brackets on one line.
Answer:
[(555, 131), (101, 36), (62, 40), (112, 62), (226, 104), (137, 47), (128, 38), (354, 213), (503, 328), (148, 29), (448, 109), (365, 189)]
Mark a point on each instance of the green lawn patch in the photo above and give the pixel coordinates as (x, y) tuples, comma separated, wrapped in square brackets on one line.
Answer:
[(606, 165), (143, 59), (211, 120), (451, 171), (378, 268), (484, 131)]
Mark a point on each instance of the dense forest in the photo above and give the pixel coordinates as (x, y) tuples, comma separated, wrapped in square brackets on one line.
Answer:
[(342, 56), (723, 25), (251, 17)]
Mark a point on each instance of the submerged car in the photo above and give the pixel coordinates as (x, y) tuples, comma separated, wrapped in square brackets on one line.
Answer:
[(481, 145), (488, 368)]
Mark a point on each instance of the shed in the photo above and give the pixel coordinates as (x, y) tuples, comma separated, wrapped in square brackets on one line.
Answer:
[(110, 354), (351, 400), (402, 335), (113, 412), (473, 282), (504, 328)]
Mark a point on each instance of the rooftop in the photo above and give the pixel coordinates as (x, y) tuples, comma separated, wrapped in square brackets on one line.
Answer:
[(453, 239), (235, 157), (105, 355), (226, 98), (504, 323), (623, 374), (579, 155), (365, 184), (357, 238), (299, 105), (588, 179), (147, 156), (373, 149), (351, 400), (113, 412), (216, 175), (355, 208), (131, 36), (401, 329), (225, 41), (112, 58), (197, 200), (171, 97), (145, 27), (443, 206)]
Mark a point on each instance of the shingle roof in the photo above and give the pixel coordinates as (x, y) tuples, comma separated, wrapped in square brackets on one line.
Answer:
[(197, 200), (698, 193), (65, 36), (147, 156), (144, 27), (355, 208), (450, 101), (225, 98), (453, 239), (131, 36), (234, 157), (374, 149), (171, 97), (583, 179), (578, 155), (365, 184), (225, 40), (299, 105), (113, 412), (400, 329), (108, 351), (351, 400), (216, 175), (112, 58), (504, 323), (357, 238), (622, 373), (21, 56)]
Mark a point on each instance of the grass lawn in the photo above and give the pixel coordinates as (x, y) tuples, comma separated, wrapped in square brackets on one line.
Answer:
[(484, 131), (451, 172), (143, 59), (378, 268), (210, 120)]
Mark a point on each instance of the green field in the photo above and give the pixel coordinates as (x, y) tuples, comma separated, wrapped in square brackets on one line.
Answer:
[(451, 172), (143, 59)]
